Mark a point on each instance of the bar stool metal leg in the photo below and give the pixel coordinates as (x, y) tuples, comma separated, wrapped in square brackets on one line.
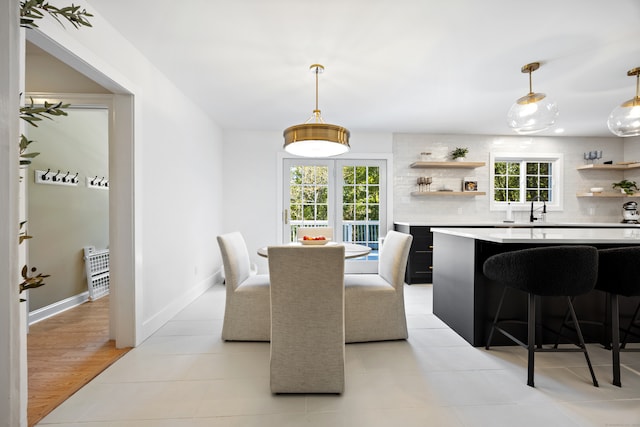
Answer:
[(495, 319), (615, 339), (627, 332), (531, 332), (582, 344)]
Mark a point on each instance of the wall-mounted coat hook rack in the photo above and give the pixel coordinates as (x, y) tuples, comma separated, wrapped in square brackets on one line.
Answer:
[(56, 178), (95, 182)]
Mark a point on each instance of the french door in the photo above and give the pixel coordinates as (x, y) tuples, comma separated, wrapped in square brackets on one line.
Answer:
[(348, 195)]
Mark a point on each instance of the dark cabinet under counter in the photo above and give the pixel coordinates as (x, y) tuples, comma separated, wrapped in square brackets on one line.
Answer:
[(420, 261)]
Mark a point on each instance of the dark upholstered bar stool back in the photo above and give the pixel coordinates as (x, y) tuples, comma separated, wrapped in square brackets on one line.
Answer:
[(619, 274), (558, 271)]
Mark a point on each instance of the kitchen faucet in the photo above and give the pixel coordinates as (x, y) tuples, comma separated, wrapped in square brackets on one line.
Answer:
[(544, 208)]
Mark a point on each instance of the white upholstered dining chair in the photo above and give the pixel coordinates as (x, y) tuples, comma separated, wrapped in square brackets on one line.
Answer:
[(374, 303), (247, 315), (307, 319)]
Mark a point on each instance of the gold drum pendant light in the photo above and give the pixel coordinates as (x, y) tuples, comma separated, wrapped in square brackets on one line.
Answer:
[(624, 120), (533, 112), (315, 138)]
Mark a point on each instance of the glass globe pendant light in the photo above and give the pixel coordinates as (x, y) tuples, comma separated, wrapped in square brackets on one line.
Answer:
[(533, 112), (315, 138), (624, 120)]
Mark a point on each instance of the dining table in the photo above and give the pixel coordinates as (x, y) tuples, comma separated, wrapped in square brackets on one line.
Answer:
[(351, 250)]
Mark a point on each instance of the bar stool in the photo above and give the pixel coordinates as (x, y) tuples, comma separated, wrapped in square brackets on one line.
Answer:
[(559, 271), (619, 274)]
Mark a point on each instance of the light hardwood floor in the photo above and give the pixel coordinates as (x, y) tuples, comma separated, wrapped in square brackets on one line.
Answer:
[(65, 352)]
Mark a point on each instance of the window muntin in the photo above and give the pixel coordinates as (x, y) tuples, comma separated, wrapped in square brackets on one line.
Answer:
[(518, 179), (539, 181), (361, 193), (361, 205), (308, 194)]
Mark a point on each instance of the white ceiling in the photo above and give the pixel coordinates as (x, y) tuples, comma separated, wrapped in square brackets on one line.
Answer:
[(426, 66)]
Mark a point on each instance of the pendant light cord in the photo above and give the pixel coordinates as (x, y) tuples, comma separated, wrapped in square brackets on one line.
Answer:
[(530, 83), (316, 112)]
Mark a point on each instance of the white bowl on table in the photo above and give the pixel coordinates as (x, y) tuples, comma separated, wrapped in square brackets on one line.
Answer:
[(314, 242)]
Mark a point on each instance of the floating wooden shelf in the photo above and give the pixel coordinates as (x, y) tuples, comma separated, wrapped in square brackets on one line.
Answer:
[(448, 193), (607, 194), (458, 165), (610, 167)]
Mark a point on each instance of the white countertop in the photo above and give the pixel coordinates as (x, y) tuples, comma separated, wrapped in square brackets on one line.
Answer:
[(547, 235), (502, 224)]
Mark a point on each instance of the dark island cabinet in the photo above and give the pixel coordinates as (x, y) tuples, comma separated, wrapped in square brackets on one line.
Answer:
[(420, 262)]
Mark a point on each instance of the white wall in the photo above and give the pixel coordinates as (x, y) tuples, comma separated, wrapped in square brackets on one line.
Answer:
[(177, 178), (631, 154), (407, 148), (250, 178)]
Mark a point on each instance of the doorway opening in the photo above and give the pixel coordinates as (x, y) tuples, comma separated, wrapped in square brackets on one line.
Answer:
[(121, 304)]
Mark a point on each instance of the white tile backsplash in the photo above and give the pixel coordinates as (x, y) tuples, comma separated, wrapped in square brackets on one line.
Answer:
[(407, 149)]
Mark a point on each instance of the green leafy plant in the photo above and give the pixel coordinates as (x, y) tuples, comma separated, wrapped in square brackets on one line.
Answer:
[(32, 114), (628, 187), (459, 153), (32, 10)]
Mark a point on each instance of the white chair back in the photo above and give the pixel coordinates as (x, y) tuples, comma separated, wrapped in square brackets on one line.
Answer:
[(235, 258), (307, 319), (393, 257)]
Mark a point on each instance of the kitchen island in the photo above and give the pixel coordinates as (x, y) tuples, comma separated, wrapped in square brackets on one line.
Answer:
[(467, 301), (420, 262)]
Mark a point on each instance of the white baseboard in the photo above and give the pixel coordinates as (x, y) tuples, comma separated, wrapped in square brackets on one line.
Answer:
[(150, 326), (57, 307), (154, 323)]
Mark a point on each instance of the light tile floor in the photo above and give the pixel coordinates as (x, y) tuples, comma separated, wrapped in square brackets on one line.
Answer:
[(185, 376)]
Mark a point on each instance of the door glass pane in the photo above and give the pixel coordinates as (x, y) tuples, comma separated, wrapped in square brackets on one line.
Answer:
[(308, 196), (361, 206)]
